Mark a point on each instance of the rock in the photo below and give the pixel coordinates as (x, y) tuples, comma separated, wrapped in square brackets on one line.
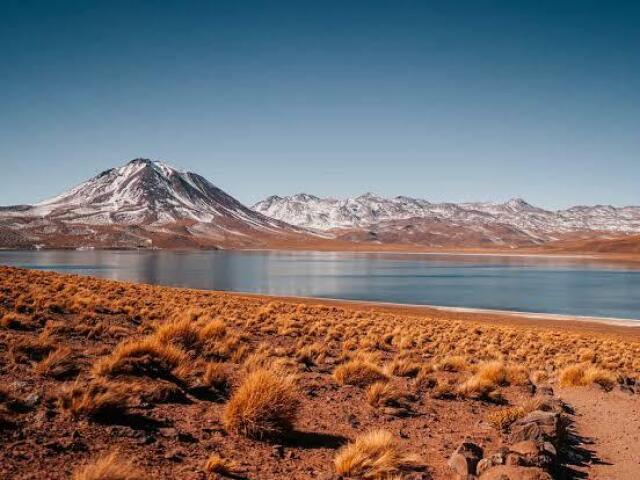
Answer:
[(496, 458), (545, 390), (168, 432), (538, 426), (278, 451), (174, 455), (483, 465), (533, 454), (509, 472), (465, 459), (31, 400), (514, 459)]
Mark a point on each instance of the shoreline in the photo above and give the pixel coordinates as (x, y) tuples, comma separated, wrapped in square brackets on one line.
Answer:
[(478, 313)]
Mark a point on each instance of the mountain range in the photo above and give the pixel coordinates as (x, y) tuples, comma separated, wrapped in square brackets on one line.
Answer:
[(147, 203), (417, 221)]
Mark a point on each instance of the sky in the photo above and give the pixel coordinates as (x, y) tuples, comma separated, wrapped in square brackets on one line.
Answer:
[(448, 101)]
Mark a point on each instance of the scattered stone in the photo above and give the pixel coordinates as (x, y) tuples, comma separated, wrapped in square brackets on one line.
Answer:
[(465, 459), (533, 454), (31, 400), (168, 432), (545, 390), (278, 451), (496, 458), (174, 455), (538, 426)]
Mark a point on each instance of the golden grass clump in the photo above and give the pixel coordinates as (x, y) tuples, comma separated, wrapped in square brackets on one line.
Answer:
[(181, 333), (476, 387), (216, 464), (17, 321), (359, 372), (146, 357), (453, 363), (109, 467), (99, 398), (217, 376), (215, 329), (375, 455), (29, 349), (265, 405), (581, 375), (389, 397), (499, 374), (504, 417), (59, 364), (403, 368)]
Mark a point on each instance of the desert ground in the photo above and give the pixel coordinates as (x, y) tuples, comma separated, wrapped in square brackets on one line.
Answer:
[(105, 380)]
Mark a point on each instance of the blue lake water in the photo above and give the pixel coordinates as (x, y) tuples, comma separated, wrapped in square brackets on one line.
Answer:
[(542, 284)]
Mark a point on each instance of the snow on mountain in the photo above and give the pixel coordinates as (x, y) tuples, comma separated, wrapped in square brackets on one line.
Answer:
[(147, 198), (368, 210), (144, 192)]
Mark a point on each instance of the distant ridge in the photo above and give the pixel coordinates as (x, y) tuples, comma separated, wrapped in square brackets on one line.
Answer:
[(412, 220)]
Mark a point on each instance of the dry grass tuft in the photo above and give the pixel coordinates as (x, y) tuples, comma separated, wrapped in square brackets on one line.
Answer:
[(265, 405), (404, 368), (99, 398), (17, 321), (29, 349), (216, 464), (504, 417), (374, 455), (109, 467), (499, 374), (388, 397), (59, 364), (359, 372), (147, 357), (217, 376), (182, 334), (581, 375), (453, 363)]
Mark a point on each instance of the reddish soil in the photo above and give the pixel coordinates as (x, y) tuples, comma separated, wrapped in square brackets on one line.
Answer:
[(609, 426)]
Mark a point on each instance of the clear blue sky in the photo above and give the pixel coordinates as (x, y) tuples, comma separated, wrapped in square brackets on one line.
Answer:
[(478, 100)]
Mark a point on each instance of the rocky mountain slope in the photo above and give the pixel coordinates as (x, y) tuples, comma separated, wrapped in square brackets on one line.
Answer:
[(142, 203), (412, 220)]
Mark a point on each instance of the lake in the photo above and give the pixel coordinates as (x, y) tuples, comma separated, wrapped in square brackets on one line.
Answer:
[(571, 286)]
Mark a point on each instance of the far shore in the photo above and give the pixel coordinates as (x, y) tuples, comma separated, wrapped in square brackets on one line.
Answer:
[(389, 249)]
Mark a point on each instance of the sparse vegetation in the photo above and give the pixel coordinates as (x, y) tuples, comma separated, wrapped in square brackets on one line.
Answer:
[(89, 364)]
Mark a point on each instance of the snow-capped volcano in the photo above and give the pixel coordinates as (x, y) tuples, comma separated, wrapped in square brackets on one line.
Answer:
[(143, 192), (500, 223), (144, 199)]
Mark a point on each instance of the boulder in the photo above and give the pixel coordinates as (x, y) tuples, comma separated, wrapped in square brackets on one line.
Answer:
[(510, 472), (497, 458), (533, 454), (538, 426), (465, 459)]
